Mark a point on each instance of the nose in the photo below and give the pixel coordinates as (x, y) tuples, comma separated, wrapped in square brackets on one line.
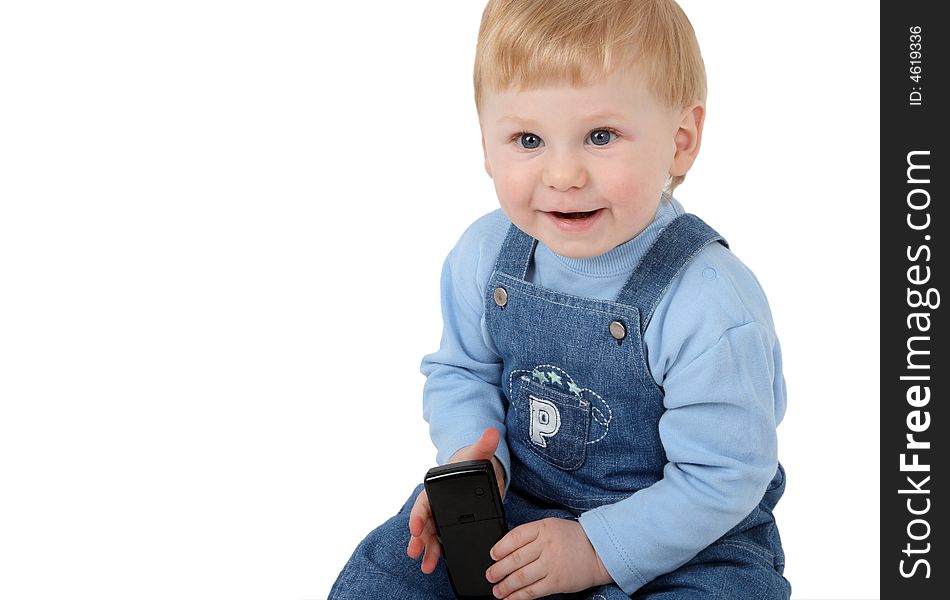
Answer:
[(563, 171)]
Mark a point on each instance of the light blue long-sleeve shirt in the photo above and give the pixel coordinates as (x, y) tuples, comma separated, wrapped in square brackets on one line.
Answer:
[(710, 345)]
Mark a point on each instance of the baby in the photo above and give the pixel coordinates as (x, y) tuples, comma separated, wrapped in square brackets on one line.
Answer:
[(605, 349)]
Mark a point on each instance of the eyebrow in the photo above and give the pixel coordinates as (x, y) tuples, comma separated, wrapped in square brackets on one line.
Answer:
[(513, 118), (594, 117)]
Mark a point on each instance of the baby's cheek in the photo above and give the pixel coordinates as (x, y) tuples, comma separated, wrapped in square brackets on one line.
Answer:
[(633, 191), (622, 192), (513, 189)]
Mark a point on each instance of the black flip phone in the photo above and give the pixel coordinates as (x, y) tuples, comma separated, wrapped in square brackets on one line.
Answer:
[(469, 519)]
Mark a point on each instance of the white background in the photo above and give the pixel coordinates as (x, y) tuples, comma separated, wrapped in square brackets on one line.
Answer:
[(221, 231)]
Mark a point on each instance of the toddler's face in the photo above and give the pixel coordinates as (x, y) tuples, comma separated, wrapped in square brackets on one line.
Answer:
[(582, 169)]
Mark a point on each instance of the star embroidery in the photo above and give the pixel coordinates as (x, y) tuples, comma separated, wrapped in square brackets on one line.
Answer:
[(539, 376), (555, 378), (574, 388)]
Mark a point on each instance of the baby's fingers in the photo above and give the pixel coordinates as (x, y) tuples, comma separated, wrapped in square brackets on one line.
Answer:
[(421, 530), (415, 548), (423, 534), (429, 542), (431, 560), (518, 559), (527, 582), (420, 514), (516, 538)]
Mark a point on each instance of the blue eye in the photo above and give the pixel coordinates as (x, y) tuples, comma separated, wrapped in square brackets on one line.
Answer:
[(601, 137), (529, 141)]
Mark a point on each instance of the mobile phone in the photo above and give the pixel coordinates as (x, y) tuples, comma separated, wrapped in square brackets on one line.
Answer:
[(469, 519)]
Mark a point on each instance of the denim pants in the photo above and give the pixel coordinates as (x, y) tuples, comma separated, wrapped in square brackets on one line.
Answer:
[(582, 426)]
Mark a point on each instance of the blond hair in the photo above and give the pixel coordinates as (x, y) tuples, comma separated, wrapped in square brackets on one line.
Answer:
[(530, 43)]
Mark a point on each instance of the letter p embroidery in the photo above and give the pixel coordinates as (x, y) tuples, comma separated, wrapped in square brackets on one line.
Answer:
[(545, 421)]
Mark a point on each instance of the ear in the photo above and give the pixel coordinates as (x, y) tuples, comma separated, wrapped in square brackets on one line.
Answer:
[(687, 138), (485, 153)]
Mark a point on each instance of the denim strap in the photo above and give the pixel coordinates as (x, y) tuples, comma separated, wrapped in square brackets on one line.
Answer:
[(516, 253), (675, 246)]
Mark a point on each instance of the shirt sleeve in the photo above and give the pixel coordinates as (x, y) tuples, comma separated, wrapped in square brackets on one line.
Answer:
[(462, 396), (715, 354)]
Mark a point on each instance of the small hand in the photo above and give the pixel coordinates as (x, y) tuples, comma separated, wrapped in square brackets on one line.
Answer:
[(421, 523), (545, 557)]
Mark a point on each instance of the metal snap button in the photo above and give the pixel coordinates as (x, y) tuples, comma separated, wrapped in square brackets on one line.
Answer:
[(618, 330), (501, 296)]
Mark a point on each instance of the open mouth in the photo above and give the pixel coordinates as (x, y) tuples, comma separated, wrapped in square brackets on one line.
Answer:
[(574, 215)]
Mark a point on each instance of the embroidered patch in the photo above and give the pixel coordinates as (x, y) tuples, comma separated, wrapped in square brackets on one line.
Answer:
[(545, 421), (559, 379)]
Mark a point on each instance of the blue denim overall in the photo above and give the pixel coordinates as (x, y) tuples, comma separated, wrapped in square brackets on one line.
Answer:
[(583, 430)]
